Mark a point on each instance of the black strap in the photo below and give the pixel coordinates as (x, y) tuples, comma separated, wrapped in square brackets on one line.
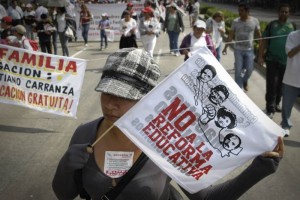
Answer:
[(114, 192)]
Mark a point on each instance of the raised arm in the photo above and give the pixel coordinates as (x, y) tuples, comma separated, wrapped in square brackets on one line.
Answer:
[(261, 167)]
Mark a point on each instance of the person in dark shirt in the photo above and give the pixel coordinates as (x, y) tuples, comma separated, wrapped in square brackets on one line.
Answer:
[(6, 25), (45, 29)]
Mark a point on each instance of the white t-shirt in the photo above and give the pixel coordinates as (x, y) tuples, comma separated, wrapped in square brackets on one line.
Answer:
[(292, 71), (25, 44), (61, 22), (196, 43), (215, 35), (125, 27)]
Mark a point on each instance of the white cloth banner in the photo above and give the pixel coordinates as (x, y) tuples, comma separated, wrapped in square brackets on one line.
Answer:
[(198, 127), (40, 81)]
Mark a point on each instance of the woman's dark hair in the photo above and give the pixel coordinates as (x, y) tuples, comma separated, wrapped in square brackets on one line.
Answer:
[(62, 9), (209, 67)]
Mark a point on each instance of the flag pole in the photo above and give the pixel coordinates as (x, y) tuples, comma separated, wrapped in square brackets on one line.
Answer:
[(89, 149)]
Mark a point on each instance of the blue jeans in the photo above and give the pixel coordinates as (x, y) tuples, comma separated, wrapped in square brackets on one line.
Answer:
[(103, 38), (289, 97), (219, 51), (85, 32), (244, 60), (173, 41)]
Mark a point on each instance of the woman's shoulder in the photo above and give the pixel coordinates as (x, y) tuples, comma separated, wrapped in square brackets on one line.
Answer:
[(86, 133)]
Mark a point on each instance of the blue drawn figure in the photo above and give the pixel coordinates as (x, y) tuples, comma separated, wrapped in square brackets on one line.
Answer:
[(217, 96), (204, 76)]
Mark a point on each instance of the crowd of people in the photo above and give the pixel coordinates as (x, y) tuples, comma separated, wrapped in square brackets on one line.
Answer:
[(120, 87), (36, 22), (21, 24)]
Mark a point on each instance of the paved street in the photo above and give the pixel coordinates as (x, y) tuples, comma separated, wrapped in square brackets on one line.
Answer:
[(32, 142)]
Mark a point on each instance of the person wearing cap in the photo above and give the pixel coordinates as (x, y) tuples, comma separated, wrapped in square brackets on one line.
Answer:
[(21, 41), (128, 75), (16, 13), (29, 19), (129, 8), (198, 38), (6, 25), (215, 26), (104, 24), (173, 25), (45, 29), (128, 29), (147, 3), (149, 29)]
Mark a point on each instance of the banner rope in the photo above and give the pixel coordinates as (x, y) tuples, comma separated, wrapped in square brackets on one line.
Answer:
[(233, 42)]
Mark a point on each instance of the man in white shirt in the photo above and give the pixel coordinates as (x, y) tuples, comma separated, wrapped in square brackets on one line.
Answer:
[(16, 13), (291, 81)]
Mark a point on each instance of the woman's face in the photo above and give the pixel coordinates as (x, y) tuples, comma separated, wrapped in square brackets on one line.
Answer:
[(127, 17), (114, 107), (218, 19), (198, 32)]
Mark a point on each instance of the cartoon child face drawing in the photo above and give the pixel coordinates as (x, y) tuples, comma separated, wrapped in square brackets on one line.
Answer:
[(206, 74), (231, 142), (224, 121), (218, 94), (225, 118)]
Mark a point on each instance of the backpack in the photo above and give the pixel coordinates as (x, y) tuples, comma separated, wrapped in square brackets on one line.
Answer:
[(34, 44)]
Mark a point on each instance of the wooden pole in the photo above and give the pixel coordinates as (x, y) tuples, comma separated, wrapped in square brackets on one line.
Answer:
[(89, 149)]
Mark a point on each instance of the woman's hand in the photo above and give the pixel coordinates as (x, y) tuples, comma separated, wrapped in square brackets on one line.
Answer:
[(277, 151), (76, 157)]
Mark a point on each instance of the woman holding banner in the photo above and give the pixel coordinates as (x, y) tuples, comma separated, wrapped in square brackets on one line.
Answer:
[(128, 75)]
